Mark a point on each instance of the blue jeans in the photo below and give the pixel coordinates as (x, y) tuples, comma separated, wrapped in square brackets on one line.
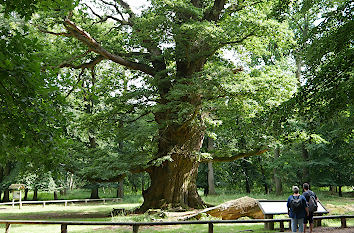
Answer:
[(297, 223)]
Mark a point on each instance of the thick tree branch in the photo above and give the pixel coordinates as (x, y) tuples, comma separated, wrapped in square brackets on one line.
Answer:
[(93, 45), (237, 156), (213, 14)]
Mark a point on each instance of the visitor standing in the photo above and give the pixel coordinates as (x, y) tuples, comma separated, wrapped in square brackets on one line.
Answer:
[(311, 200), (297, 210)]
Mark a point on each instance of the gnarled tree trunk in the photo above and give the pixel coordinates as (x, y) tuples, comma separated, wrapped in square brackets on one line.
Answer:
[(173, 184)]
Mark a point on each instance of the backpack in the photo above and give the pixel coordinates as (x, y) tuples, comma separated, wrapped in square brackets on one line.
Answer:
[(312, 202), (296, 204)]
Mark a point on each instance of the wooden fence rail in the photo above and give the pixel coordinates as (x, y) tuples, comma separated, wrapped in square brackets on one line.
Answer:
[(136, 225), (13, 203)]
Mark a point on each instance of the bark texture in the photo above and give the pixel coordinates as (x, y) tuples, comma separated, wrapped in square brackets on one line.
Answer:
[(173, 185)]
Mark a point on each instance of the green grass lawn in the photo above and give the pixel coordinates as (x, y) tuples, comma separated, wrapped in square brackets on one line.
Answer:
[(101, 212)]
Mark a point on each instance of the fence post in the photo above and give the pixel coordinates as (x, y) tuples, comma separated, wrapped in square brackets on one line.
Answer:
[(64, 228), (343, 222), (318, 222), (269, 225), (211, 228), (43, 203), (66, 204), (135, 228), (281, 226), (13, 202), (7, 228)]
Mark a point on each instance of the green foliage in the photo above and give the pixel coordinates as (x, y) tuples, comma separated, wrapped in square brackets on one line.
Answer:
[(329, 57), (113, 119), (25, 8), (30, 112)]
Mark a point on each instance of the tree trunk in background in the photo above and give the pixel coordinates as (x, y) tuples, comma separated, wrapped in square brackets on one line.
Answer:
[(7, 171), (120, 189), (277, 180), (1, 178), (26, 194), (55, 195), (247, 180), (305, 171), (35, 194), (71, 182), (6, 197), (264, 179), (340, 191), (63, 191), (94, 193), (211, 180)]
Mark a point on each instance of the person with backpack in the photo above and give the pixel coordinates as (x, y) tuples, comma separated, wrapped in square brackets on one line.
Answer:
[(297, 210), (311, 200)]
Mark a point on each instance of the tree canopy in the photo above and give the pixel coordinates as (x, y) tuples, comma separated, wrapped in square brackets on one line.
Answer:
[(99, 88)]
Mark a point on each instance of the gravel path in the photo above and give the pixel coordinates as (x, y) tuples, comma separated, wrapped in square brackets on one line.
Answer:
[(331, 229)]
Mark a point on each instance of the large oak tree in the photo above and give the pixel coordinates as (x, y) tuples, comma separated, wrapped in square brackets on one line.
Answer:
[(172, 46)]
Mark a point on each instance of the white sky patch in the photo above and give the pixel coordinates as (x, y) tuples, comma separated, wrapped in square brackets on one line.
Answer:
[(138, 5)]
